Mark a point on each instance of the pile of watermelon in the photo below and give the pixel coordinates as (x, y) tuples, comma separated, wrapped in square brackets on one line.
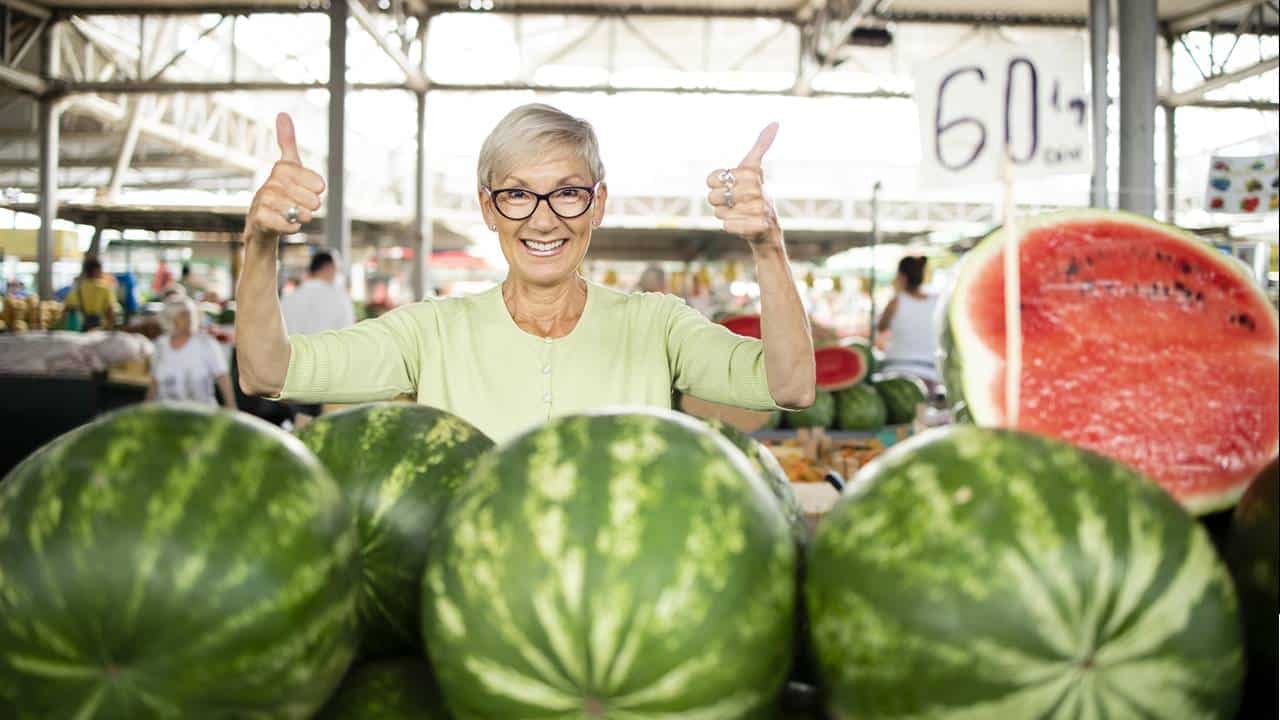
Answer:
[(391, 562)]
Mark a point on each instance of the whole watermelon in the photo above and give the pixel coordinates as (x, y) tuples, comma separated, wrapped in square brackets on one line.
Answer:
[(390, 689), (619, 565), (974, 573), (901, 395), (820, 414), (771, 471), (174, 561), (860, 408), (398, 464), (1253, 553)]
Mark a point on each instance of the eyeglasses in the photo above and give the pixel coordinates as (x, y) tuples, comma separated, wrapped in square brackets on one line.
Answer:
[(518, 204)]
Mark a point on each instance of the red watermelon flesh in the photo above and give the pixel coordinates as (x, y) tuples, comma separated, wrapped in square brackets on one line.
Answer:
[(839, 367), (746, 325), (1139, 342)]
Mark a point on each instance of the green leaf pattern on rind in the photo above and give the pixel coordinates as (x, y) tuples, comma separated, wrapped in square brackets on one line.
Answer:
[(627, 559), (1003, 575), (213, 578), (399, 465)]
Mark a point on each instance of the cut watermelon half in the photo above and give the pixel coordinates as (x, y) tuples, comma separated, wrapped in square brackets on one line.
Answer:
[(745, 325), (840, 367), (1139, 341)]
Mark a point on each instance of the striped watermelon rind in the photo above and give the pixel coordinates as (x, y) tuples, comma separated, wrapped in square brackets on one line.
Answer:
[(626, 564), (770, 470), (166, 560), (389, 689), (974, 573), (399, 465)]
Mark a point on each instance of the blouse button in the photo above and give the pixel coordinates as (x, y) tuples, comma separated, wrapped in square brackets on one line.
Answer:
[(546, 398), (546, 369)]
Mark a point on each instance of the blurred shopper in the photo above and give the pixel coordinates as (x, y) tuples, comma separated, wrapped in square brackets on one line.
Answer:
[(653, 279), (189, 283), (320, 303), (187, 363), (92, 297), (909, 319)]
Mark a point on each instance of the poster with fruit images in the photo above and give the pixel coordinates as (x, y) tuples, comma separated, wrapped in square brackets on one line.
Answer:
[(1244, 185)]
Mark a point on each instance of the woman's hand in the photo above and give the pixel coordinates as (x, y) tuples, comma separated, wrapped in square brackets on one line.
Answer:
[(289, 187), (740, 200)]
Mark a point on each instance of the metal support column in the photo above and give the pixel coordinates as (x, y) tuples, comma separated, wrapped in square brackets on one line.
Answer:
[(1170, 140), (1099, 52), (337, 224), (875, 241), (422, 285), (1138, 33), (48, 123)]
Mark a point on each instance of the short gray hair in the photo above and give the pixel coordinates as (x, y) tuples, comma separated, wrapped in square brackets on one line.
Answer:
[(531, 130), (177, 306)]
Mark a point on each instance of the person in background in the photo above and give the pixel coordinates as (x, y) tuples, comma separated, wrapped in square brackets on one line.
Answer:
[(188, 282), (909, 320), (162, 280), (126, 289), (320, 303), (187, 363), (653, 279), (92, 297)]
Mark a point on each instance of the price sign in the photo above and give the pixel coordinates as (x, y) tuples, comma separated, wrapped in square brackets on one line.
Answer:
[(982, 102)]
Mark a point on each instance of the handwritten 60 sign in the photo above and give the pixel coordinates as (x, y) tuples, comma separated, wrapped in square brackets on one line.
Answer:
[(981, 103)]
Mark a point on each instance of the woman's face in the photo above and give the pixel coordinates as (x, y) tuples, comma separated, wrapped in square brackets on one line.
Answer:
[(544, 248), (182, 324)]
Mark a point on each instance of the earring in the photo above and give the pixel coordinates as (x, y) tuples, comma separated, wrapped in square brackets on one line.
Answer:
[(493, 227)]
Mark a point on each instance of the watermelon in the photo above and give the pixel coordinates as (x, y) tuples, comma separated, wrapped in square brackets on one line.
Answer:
[(620, 565), (901, 395), (174, 561), (860, 408), (981, 573), (1253, 553), (841, 367), (398, 464), (391, 689), (820, 414), (745, 325), (1139, 341), (767, 466)]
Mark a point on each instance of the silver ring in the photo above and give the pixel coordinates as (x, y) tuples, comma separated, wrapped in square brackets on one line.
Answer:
[(726, 177), (291, 215), (728, 197)]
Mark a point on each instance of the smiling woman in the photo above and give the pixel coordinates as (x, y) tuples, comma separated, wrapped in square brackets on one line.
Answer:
[(546, 342)]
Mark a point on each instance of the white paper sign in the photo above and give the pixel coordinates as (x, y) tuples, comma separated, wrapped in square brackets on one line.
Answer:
[(1244, 185), (978, 101)]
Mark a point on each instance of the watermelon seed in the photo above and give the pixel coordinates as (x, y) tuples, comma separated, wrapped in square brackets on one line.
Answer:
[(1185, 267), (1072, 268)]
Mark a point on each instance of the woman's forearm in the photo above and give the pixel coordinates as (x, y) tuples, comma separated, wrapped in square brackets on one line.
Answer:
[(262, 345), (228, 393), (784, 328)]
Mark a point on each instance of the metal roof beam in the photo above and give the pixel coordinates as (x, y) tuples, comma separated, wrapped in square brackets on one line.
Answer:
[(414, 78), (983, 19), (1219, 81), (1207, 14), (22, 81), (633, 11), (26, 8)]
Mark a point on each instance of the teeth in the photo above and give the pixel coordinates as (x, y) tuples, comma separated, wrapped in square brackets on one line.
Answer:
[(543, 247)]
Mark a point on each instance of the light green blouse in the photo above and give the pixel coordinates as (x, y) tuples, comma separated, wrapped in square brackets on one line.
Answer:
[(466, 355)]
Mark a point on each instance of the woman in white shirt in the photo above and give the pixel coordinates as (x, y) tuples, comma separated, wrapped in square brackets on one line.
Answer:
[(187, 363), (909, 319)]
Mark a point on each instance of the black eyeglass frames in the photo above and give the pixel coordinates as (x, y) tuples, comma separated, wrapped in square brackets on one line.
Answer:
[(566, 202)]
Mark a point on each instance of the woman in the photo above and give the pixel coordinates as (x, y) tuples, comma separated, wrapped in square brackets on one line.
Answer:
[(545, 342), (93, 297), (187, 363), (909, 319)]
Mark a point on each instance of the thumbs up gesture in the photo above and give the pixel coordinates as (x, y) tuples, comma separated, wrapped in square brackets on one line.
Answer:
[(740, 200), (290, 196)]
